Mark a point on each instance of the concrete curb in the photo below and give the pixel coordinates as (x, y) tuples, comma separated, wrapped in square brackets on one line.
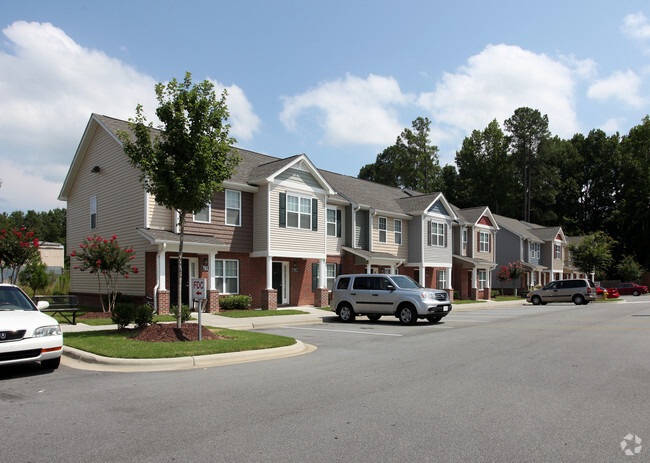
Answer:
[(79, 359)]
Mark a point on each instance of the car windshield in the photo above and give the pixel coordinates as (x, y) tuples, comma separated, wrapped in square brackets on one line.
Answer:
[(12, 298), (405, 282)]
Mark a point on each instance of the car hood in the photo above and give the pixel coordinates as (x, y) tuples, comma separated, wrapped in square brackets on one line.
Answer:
[(11, 320)]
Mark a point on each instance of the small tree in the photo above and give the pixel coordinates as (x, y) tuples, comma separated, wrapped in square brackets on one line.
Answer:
[(629, 269), (186, 162), (17, 247), (105, 259), (592, 254), (503, 276), (516, 271), (35, 275)]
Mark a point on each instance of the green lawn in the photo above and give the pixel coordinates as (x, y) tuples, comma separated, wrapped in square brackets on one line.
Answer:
[(466, 301), (259, 313), (120, 344), (508, 298)]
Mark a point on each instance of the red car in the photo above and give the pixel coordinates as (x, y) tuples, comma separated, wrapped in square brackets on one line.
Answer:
[(612, 293), (631, 288)]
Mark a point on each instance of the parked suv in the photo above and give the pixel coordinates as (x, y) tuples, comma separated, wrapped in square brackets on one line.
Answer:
[(580, 291), (397, 295)]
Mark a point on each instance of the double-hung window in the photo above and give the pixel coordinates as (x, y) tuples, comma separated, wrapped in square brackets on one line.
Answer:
[(203, 216), (331, 276), (437, 234), (482, 279), (233, 208), (484, 241), (382, 225), (558, 251), (397, 224), (227, 276), (93, 212), (331, 222), (442, 279), (298, 212)]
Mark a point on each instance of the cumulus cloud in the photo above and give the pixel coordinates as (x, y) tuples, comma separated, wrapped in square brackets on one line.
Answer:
[(352, 110), (243, 119), (501, 79), (621, 85), (635, 26), (49, 86)]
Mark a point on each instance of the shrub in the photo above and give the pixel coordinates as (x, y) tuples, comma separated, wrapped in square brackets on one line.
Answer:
[(456, 295), (185, 312), (495, 293), (143, 315), (123, 313), (240, 302)]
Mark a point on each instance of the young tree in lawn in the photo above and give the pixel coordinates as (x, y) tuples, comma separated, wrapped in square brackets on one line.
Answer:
[(516, 270), (503, 276), (17, 247), (35, 274), (186, 161), (105, 258), (593, 254)]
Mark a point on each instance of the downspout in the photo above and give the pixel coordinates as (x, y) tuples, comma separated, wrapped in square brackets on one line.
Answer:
[(161, 251)]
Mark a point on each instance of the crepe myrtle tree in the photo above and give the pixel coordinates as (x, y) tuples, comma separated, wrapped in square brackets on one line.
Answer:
[(106, 259), (503, 276), (516, 270), (17, 248), (185, 162)]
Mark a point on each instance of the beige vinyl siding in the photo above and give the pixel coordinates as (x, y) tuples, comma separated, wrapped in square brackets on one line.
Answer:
[(334, 243), (120, 210), (489, 256), (261, 219), (160, 217), (296, 239), (298, 176), (389, 246)]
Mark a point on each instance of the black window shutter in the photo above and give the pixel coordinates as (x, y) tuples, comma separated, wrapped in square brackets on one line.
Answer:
[(339, 269), (283, 210), (314, 276), (445, 235), (314, 214), (338, 223), (428, 233)]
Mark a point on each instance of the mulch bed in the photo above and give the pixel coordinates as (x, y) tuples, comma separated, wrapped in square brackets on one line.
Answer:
[(168, 332), (95, 315)]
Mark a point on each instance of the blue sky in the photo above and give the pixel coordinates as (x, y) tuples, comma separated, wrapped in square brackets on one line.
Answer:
[(335, 80)]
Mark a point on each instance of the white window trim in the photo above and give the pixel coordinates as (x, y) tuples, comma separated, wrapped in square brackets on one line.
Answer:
[(225, 203), (555, 253), (435, 235), (327, 221), (209, 206), (444, 279), (287, 212), (398, 233), (327, 274), (482, 243), (482, 282), (223, 277), (384, 229), (93, 212), (464, 236)]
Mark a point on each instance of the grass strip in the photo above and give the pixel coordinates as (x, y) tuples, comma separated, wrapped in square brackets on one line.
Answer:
[(259, 313), (120, 344)]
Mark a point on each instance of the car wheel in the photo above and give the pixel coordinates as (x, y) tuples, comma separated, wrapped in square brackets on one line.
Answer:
[(51, 364), (536, 300), (434, 318), (636, 293), (373, 317), (407, 315), (346, 314), (578, 299)]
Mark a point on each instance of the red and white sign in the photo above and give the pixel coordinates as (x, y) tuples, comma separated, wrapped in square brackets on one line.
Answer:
[(199, 288)]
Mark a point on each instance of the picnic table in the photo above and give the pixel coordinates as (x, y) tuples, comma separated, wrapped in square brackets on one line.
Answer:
[(60, 304)]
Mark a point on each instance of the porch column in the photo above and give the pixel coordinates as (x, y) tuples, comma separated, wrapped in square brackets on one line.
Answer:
[(269, 295), (474, 293), (269, 272), (422, 275), (212, 269), (322, 274), (213, 293), (368, 267), (321, 294), (161, 300), (488, 286)]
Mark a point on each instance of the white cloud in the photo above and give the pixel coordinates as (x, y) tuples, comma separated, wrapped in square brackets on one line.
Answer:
[(501, 79), (243, 119), (354, 110), (612, 126), (26, 190), (636, 27), (49, 86), (620, 85)]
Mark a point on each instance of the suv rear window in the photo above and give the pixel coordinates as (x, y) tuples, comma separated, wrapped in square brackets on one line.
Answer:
[(343, 283)]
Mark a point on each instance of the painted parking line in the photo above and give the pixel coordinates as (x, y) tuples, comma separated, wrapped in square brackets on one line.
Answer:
[(342, 331)]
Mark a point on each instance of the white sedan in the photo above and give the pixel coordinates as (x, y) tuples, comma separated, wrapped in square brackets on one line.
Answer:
[(26, 334)]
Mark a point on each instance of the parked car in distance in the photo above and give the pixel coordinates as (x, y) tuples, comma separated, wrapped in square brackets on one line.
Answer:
[(612, 293), (26, 334), (631, 288), (396, 295), (579, 291)]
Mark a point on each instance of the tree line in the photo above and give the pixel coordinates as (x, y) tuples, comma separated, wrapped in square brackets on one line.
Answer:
[(586, 184), (47, 226)]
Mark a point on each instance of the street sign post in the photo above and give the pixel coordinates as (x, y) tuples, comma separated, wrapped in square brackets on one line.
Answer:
[(199, 291)]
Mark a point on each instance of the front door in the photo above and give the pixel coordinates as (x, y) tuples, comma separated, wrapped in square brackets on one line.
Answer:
[(280, 281), (190, 270)]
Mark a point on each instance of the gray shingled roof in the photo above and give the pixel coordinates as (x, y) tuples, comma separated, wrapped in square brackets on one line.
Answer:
[(517, 227), (417, 204), (546, 233), (167, 236), (470, 214)]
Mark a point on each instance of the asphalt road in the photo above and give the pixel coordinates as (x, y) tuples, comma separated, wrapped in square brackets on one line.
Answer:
[(557, 383)]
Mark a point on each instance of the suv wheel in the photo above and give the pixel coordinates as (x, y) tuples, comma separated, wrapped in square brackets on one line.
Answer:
[(346, 314), (536, 300), (578, 299), (374, 317), (407, 314)]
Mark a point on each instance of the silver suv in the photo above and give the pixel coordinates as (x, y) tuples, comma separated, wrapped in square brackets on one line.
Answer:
[(397, 295), (579, 291)]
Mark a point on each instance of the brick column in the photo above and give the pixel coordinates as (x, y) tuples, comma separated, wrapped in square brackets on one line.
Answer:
[(473, 295), (321, 297), (213, 301), (269, 299), (163, 302), (450, 292)]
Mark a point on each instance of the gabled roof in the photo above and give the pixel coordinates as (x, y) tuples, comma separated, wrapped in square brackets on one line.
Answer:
[(548, 233), (267, 172), (517, 227), (472, 215), (420, 204)]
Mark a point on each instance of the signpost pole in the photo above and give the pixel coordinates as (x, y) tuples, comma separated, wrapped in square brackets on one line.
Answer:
[(199, 286)]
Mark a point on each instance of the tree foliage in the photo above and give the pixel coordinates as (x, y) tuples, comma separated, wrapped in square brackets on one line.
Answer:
[(186, 161), (593, 253), (629, 269), (35, 275), (17, 248)]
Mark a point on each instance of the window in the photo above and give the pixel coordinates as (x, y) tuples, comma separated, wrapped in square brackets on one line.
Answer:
[(298, 212), (397, 224), (382, 226), (343, 283), (437, 234), (482, 279), (558, 251), (233, 208), (464, 236), (331, 276), (93, 212), (484, 238), (227, 276), (442, 279), (538, 250), (203, 216), (331, 222)]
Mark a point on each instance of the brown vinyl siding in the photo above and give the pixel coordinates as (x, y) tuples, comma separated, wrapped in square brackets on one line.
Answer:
[(261, 219)]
